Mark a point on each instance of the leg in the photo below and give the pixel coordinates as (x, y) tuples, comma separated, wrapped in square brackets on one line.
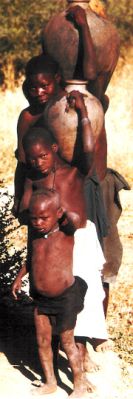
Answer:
[(55, 349), (44, 337), (81, 384), (88, 365), (98, 344), (106, 299)]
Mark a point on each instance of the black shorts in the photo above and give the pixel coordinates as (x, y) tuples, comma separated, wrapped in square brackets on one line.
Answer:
[(63, 309)]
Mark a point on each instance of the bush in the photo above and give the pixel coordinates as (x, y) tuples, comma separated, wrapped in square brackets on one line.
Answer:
[(11, 258), (20, 26), (122, 14)]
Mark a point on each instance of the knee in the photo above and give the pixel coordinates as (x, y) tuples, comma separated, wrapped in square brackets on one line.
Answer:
[(43, 341)]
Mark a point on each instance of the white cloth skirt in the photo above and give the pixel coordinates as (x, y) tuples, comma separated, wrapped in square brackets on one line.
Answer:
[(88, 260)]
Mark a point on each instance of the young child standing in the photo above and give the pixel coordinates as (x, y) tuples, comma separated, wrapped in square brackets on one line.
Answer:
[(54, 289)]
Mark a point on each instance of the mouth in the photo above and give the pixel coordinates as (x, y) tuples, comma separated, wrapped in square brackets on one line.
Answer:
[(43, 169), (40, 230), (43, 99)]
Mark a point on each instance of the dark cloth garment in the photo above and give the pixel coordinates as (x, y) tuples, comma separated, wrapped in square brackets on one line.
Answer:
[(95, 206), (111, 185), (64, 307)]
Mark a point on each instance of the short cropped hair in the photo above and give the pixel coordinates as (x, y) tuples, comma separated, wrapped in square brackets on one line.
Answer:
[(41, 64), (36, 134), (46, 195)]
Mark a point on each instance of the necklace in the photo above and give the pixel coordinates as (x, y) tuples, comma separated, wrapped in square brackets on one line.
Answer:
[(53, 171), (50, 232)]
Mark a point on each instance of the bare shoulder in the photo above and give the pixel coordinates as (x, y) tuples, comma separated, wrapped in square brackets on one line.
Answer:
[(23, 120), (24, 114), (68, 171), (63, 238)]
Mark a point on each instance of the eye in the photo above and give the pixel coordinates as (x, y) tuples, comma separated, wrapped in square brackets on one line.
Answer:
[(45, 86), (44, 156)]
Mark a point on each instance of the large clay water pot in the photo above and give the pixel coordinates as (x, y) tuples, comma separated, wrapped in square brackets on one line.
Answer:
[(61, 39), (62, 120)]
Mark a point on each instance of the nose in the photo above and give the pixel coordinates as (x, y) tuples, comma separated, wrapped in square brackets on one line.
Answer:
[(38, 162), (39, 91), (37, 222)]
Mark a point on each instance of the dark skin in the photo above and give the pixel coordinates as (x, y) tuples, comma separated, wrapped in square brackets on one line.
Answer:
[(43, 216), (87, 63), (31, 114), (43, 87), (26, 119), (87, 67), (50, 171), (51, 271), (97, 85)]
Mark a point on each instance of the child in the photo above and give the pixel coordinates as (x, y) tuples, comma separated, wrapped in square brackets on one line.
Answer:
[(57, 294), (42, 83), (42, 78), (48, 170)]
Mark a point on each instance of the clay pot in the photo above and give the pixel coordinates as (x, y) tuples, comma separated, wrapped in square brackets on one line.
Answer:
[(63, 120), (61, 39)]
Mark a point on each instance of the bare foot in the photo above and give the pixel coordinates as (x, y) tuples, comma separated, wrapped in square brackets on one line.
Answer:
[(83, 389), (100, 345), (89, 365), (44, 389)]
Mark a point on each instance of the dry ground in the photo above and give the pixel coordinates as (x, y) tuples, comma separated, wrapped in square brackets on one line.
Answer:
[(116, 366)]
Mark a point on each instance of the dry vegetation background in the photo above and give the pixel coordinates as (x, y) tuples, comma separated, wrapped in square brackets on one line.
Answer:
[(120, 155)]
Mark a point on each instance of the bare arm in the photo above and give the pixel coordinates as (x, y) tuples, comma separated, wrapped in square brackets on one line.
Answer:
[(16, 286), (76, 100), (23, 125), (20, 172), (70, 222), (24, 204), (78, 15)]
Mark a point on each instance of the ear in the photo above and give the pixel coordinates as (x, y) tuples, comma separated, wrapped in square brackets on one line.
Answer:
[(60, 213), (58, 77), (55, 147)]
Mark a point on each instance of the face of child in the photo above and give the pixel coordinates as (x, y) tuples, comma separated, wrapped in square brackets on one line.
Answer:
[(43, 216), (41, 157), (42, 87)]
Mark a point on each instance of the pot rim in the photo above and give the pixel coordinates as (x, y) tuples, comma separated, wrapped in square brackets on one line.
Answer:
[(76, 81)]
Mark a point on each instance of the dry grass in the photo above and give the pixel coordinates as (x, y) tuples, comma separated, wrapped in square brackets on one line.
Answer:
[(120, 138), (11, 103), (119, 119)]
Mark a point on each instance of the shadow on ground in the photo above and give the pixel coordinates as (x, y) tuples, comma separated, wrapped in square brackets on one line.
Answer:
[(18, 342)]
